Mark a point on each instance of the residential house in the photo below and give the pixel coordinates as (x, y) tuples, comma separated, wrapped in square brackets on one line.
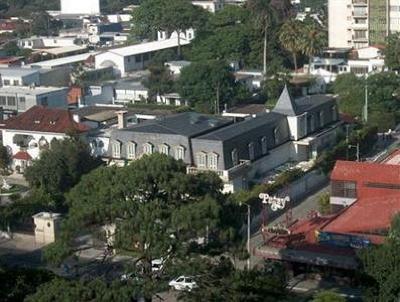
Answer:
[(27, 134), (211, 6)]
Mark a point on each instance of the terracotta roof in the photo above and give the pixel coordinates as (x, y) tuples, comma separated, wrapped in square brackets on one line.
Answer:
[(22, 155), (366, 172), (366, 216), (42, 119)]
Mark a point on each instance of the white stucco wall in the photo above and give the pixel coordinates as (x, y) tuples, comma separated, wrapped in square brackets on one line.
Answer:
[(80, 7)]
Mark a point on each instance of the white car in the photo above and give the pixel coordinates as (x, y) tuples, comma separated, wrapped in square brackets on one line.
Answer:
[(183, 283)]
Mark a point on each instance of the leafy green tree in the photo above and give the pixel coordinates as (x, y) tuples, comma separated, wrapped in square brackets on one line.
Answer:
[(222, 282), (95, 290), (61, 166), (290, 37), (351, 93), (382, 265), (179, 16), (43, 24), (314, 40), (392, 51), (207, 85), (226, 36), (324, 204), (5, 160), (156, 207), (328, 296), (146, 19), (264, 13), (16, 284), (159, 82)]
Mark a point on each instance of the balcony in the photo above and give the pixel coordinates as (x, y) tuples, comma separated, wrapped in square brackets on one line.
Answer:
[(225, 175)]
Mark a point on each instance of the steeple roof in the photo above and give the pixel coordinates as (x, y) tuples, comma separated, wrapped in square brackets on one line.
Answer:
[(286, 104)]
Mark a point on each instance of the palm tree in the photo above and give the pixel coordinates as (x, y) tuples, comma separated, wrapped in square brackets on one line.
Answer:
[(264, 13), (290, 36), (314, 40)]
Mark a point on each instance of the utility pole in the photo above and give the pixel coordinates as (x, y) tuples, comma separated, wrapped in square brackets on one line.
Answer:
[(366, 103), (347, 141), (248, 236)]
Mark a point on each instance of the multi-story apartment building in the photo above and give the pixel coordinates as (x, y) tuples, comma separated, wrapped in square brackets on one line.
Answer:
[(360, 23)]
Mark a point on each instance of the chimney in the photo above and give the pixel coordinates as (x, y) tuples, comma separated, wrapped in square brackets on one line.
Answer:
[(121, 119)]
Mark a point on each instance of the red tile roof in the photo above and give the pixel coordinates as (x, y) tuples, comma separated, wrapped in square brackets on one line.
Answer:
[(43, 119), (366, 215), (366, 172), (22, 155)]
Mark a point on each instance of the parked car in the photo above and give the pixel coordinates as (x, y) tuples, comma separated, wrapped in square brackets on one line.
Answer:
[(183, 283)]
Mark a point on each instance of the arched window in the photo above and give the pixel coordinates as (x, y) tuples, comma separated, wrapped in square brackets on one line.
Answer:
[(252, 153), (164, 149), (212, 161), (264, 145), (148, 148), (235, 157), (180, 153), (131, 150), (43, 143), (116, 149)]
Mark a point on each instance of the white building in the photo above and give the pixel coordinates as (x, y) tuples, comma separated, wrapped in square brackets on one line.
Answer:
[(22, 98), (80, 7), (135, 57), (209, 5), (47, 227), (27, 134), (359, 23)]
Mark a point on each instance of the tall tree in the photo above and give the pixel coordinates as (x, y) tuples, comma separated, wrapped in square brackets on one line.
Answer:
[(61, 167), (157, 209), (314, 40), (290, 37), (207, 85), (264, 14), (5, 160), (159, 82), (392, 51), (382, 265)]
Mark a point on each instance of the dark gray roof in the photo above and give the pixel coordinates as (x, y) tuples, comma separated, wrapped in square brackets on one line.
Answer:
[(90, 110), (310, 102), (127, 85), (286, 105), (292, 107), (241, 128), (187, 124)]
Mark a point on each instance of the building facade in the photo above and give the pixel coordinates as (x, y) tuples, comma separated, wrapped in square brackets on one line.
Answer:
[(359, 23), (237, 150), (77, 7)]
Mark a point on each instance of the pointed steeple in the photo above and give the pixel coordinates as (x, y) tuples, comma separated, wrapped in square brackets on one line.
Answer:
[(286, 104)]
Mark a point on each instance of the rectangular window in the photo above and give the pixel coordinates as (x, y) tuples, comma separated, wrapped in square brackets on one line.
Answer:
[(3, 101), (180, 153), (346, 189), (11, 101), (6, 82), (22, 103), (16, 83), (201, 160), (116, 150), (212, 161)]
